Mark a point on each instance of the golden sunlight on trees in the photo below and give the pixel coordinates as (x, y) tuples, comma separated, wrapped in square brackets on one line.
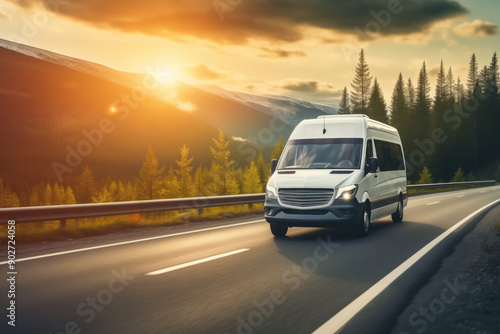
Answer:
[(150, 182), (252, 182), (8, 198), (86, 186), (222, 172), (186, 185)]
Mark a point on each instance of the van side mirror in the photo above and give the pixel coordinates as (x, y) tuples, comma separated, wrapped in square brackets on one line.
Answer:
[(274, 164), (373, 165)]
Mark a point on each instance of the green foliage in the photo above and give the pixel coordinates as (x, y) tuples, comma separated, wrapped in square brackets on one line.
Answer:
[(278, 148), (361, 85), (264, 170), (377, 109), (425, 176), (459, 176), (344, 106)]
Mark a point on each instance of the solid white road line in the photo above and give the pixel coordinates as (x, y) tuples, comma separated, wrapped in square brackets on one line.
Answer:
[(133, 241), (338, 321), (433, 203), (192, 263)]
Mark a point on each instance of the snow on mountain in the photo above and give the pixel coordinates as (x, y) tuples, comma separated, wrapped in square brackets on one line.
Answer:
[(289, 110), (80, 65)]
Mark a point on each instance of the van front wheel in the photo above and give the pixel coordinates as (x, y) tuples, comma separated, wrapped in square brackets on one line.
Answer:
[(362, 227), (278, 230), (397, 216)]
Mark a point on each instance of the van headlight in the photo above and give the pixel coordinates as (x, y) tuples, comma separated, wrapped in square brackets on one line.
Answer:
[(347, 192), (271, 192)]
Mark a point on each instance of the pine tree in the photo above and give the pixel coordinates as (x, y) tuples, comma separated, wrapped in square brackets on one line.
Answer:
[(69, 196), (264, 170), (344, 106), (8, 198), (494, 72), (222, 167), (410, 95), (252, 182), (450, 88), (86, 186), (377, 109), (443, 151), (57, 194), (150, 181), (361, 85), (425, 176), (47, 195), (34, 197), (459, 176), (278, 148), (399, 109), (422, 111), (184, 173), (460, 91), (472, 80)]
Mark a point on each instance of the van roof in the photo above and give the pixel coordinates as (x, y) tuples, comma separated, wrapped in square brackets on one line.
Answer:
[(344, 125)]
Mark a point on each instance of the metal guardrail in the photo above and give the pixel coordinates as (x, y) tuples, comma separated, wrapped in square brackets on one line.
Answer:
[(451, 184), (75, 211)]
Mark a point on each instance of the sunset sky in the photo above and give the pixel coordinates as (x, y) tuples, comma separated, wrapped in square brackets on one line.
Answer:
[(302, 49)]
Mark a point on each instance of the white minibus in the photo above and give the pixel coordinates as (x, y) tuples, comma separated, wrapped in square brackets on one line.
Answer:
[(337, 171)]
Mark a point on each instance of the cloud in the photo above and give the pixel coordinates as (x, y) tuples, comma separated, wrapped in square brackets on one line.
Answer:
[(284, 21), (310, 87), (4, 15), (476, 28), (203, 72), (281, 53)]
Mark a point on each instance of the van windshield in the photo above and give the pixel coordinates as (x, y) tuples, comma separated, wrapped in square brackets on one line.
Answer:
[(329, 153)]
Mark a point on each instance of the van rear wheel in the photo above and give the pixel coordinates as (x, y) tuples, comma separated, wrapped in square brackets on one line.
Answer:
[(397, 216), (278, 230), (362, 226)]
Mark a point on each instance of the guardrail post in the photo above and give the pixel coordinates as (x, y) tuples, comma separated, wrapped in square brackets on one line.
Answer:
[(200, 211), (62, 223), (250, 206)]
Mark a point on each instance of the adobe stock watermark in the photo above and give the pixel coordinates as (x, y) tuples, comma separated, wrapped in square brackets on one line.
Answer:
[(293, 279), (122, 107), (427, 314), (224, 6), (455, 118), (35, 22), (88, 309)]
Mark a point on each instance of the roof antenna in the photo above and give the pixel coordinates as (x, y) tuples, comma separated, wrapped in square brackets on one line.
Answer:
[(324, 117)]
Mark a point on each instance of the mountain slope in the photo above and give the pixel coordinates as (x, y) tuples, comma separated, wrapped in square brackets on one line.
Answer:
[(47, 111)]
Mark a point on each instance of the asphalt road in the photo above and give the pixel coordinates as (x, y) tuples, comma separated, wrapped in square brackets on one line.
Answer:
[(236, 278)]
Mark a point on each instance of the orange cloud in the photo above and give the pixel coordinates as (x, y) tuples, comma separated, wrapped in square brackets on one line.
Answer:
[(241, 22), (476, 28)]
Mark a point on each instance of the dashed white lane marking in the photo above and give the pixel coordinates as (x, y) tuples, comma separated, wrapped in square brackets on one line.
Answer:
[(192, 263), (432, 203)]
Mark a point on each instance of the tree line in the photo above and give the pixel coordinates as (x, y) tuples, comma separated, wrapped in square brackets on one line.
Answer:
[(457, 128), (155, 181)]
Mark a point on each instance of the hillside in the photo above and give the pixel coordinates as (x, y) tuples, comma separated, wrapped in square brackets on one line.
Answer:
[(45, 108)]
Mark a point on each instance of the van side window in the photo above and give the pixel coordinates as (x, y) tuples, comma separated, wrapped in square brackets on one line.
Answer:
[(369, 154), (390, 156)]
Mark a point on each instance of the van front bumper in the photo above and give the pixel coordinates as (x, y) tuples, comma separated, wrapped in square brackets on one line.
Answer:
[(342, 213)]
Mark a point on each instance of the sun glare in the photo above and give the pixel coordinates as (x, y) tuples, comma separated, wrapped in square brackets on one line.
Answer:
[(165, 78)]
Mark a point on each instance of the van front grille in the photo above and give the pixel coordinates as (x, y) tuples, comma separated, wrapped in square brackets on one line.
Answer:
[(305, 198)]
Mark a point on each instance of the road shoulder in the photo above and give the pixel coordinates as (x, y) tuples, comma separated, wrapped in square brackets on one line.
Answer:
[(463, 296)]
